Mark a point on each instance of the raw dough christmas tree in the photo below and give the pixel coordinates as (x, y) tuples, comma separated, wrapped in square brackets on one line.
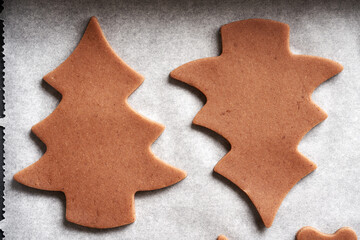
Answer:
[(98, 148), (259, 99)]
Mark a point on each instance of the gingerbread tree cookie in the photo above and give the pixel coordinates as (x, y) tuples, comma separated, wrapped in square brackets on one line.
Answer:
[(259, 98), (310, 233), (98, 147)]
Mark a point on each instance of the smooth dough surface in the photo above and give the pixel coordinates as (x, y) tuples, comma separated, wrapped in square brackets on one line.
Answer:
[(98, 148), (259, 98)]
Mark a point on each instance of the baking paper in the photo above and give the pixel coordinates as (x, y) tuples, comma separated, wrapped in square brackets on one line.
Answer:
[(155, 37)]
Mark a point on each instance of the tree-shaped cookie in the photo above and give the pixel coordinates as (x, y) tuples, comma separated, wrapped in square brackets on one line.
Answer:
[(310, 233), (98, 148), (259, 98)]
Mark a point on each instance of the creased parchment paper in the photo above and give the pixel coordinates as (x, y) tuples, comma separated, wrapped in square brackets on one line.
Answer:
[(154, 37)]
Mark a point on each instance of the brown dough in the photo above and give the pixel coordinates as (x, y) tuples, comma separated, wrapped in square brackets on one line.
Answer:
[(222, 237), (98, 147), (310, 233), (259, 98)]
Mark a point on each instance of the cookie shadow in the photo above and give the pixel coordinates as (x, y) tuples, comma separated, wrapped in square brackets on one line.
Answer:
[(220, 139), (51, 91), (55, 94), (145, 194), (40, 145), (78, 228), (181, 85), (256, 216)]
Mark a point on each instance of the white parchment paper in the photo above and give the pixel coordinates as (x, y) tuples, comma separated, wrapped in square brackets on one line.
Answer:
[(154, 37)]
